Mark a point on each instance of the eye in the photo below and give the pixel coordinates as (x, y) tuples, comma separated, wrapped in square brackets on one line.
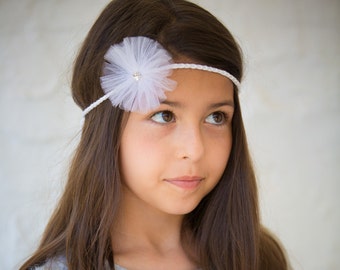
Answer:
[(216, 118), (163, 117)]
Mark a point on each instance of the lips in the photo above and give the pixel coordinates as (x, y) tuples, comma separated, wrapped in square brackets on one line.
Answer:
[(185, 182)]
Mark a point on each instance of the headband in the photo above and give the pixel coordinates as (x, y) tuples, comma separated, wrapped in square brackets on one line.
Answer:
[(136, 75)]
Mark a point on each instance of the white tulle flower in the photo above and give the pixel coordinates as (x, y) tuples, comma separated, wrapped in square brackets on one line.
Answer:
[(135, 76)]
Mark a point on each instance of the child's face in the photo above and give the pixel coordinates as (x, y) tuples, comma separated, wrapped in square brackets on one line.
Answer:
[(175, 155)]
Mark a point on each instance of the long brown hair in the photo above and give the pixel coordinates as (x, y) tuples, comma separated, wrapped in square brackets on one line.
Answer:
[(224, 229)]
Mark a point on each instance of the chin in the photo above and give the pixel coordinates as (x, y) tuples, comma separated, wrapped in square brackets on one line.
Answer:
[(182, 209)]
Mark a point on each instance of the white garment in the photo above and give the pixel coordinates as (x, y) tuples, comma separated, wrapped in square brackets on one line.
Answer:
[(59, 263)]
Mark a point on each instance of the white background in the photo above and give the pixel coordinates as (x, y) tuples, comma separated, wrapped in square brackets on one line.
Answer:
[(290, 99)]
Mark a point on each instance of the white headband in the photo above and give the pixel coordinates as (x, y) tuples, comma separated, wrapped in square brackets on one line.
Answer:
[(135, 75)]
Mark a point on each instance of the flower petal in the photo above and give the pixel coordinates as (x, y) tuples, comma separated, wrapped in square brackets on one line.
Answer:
[(135, 74)]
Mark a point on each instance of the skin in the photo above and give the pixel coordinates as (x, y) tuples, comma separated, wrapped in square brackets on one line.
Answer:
[(170, 159)]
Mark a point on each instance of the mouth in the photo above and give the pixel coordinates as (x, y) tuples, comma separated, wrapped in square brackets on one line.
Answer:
[(185, 182)]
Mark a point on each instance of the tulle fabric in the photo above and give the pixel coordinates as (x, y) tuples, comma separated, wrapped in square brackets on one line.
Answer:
[(134, 74)]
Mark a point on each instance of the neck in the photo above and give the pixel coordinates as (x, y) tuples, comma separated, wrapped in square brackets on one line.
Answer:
[(146, 236), (141, 225)]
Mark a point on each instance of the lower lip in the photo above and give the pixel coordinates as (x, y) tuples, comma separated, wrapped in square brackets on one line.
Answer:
[(185, 184)]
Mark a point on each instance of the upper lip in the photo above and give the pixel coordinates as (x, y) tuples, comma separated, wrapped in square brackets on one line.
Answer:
[(185, 178)]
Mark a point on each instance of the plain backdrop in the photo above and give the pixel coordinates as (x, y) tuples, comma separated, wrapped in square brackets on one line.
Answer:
[(290, 98)]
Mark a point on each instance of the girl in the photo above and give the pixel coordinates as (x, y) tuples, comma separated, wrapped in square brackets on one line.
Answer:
[(162, 177)]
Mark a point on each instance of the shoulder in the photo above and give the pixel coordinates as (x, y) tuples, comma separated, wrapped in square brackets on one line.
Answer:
[(57, 263), (117, 267), (272, 253)]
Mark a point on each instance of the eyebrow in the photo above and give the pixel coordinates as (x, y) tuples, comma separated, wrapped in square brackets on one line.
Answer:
[(211, 106)]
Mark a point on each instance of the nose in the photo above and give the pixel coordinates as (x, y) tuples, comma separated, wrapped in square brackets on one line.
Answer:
[(190, 142)]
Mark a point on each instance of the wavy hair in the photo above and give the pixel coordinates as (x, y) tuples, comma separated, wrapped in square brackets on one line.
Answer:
[(224, 230)]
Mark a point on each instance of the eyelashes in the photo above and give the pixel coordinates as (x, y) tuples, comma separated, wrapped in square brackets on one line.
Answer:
[(218, 118), (163, 117)]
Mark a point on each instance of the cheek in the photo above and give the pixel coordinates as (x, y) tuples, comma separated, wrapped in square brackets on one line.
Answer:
[(219, 154), (140, 154)]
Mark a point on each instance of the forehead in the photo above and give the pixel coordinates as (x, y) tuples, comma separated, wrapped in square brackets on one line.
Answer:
[(199, 84)]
